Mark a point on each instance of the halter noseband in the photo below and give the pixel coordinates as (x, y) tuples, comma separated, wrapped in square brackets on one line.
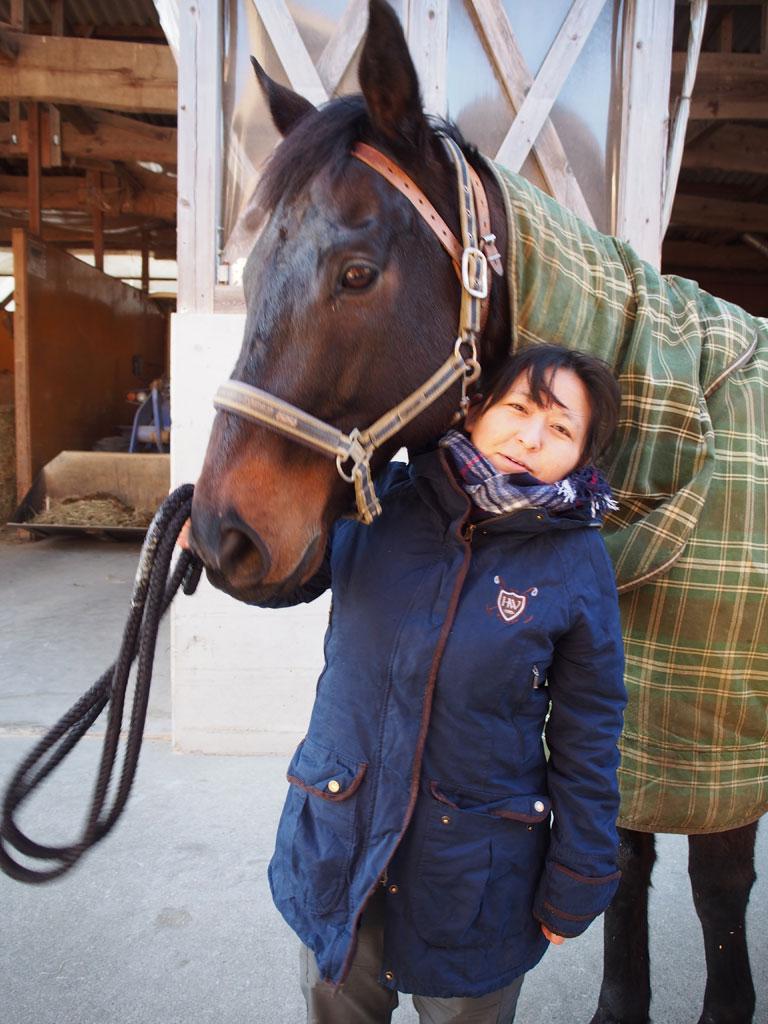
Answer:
[(471, 257)]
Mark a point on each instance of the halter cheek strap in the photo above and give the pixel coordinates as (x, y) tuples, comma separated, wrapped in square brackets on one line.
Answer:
[(353, 451)]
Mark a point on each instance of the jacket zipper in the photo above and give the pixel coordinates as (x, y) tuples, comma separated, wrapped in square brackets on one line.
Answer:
[(462, 531)]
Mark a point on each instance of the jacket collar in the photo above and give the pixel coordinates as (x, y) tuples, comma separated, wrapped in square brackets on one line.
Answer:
[(437, 486)]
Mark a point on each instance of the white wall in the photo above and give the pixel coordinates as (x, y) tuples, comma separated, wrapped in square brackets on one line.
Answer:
[(242, 678)]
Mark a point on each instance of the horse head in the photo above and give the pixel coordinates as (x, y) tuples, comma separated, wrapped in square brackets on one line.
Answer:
[(351, 305)]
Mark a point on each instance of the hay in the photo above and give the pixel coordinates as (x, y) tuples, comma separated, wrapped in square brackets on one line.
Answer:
[(92, 510)]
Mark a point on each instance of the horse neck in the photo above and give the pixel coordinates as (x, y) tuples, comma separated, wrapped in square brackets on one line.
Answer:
[(567, 283)]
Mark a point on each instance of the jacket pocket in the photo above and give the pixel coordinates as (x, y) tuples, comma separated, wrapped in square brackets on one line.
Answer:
[(478, 866), (316, 835)]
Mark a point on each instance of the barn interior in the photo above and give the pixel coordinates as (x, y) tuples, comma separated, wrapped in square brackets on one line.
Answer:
[(88, 209), (718, 228), (87, 243)]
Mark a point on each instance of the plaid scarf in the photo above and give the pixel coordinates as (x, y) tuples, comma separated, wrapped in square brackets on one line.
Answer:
[(507, 492)]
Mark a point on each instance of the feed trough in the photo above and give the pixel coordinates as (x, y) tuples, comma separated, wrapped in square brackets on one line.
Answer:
[(96, 493)]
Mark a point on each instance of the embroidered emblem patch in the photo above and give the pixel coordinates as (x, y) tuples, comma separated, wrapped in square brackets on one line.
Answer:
[(511, 605)]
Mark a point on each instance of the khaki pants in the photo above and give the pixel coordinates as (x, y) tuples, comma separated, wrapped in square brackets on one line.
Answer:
[(362, 1000)]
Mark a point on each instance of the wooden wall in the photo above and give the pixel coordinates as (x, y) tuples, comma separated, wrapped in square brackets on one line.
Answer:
[(82, 340), (6, 342), (750, 291)]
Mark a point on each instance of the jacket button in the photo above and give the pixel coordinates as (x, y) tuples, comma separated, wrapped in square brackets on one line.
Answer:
[(389, 975), (334, 786), (394, 889), (445, 819), (538, 806)]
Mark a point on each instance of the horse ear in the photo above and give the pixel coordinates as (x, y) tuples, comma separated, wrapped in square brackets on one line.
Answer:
[(285, 106), (388, 78)]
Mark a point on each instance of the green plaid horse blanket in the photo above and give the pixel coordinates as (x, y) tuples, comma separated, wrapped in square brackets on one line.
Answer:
[(689, 543)]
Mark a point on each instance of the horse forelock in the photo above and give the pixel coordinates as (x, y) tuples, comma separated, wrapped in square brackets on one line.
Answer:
[(322, 141)]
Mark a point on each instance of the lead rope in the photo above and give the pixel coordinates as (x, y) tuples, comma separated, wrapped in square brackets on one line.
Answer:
[(152, 594)]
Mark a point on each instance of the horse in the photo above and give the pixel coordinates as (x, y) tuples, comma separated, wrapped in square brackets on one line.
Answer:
[(352, 305)]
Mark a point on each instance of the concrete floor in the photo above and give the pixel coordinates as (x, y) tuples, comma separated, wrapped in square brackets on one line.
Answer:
[(169, 920)]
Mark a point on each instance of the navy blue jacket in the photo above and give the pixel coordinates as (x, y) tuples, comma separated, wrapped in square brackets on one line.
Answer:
[(423, 764)]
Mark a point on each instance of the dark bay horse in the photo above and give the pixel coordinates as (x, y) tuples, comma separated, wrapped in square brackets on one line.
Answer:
[(351, 305)]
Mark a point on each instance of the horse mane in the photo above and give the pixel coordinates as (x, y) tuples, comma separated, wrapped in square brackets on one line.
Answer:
[(322, 140)]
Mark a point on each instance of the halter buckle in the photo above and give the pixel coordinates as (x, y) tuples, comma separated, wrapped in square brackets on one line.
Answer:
[(356, 452), (479, 271)]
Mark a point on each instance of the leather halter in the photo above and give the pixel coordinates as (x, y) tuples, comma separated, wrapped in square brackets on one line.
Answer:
[(470, 258)]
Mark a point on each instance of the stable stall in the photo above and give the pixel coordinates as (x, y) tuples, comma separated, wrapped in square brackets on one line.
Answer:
[(87, 171)]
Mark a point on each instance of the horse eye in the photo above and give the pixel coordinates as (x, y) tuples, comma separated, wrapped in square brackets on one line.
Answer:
[(358, 276)]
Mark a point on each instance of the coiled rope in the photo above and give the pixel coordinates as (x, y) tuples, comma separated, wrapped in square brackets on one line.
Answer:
[(152, 594)]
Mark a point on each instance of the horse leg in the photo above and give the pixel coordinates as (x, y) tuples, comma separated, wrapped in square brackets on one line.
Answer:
[(721, 866), (625, 994)]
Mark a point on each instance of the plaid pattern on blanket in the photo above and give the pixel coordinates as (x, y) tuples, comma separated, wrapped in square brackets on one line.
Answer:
[(690, 540)]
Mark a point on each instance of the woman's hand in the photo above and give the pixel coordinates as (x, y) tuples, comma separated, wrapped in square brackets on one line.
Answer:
[(183, 539), (558, 940)]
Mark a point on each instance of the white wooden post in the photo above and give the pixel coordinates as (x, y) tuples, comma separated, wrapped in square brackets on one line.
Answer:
[(426, 29), (647, 68), (199, 153), (677, 144), (168, 13)]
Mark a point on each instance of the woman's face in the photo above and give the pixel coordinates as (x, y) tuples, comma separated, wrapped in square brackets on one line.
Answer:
[(518, 436)]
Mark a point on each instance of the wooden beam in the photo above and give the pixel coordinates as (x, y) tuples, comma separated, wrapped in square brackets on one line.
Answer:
[(52, 126), (81, 120), (112, 137), (97, 208), (647, 46), (759, 245), (123, 233), (20, 15), (713, 213), (72, 193), (21, 364), (19, 21), (144, 261), (732, 147), (57, 17), (33, 161), (680, 123), (698, 255), (427, 35), (9, 47), (95, 30), (284, 36), (729, 86), (109, 141), (542, 95), (92, 73), (340, 48), (507, 58)]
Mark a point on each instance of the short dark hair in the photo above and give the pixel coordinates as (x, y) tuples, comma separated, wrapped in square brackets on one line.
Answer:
[(539, 363)]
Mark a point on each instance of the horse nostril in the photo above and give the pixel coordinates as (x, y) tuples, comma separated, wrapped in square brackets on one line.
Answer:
[(234, 550), (241, 548)]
